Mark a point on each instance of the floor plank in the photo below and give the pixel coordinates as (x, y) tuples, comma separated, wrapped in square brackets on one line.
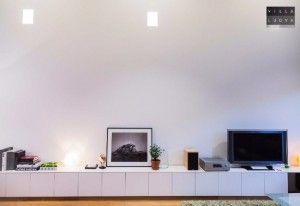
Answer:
[(91, 203), (109, 202)]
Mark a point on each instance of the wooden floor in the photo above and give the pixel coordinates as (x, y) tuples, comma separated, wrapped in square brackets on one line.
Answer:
[(107, 202), (91, 203)]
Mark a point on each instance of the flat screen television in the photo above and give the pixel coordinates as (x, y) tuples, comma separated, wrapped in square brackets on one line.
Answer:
[(257, 147)]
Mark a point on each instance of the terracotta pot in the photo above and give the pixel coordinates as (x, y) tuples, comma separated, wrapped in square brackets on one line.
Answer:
[(155, 164)]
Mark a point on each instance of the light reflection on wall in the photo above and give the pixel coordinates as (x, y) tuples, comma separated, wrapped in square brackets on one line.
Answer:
[(73, 153)]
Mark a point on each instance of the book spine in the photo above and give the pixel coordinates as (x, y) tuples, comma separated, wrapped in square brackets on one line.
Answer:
[(11, 157), (18, 156), (4, 161), (6, 149), (1, 153)]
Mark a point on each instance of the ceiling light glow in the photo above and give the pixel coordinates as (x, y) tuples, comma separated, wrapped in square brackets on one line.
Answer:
[(152, 19), (27, 16)]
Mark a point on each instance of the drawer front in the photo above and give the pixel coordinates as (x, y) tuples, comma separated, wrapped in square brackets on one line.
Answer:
[(42, 185), (253, 184), (207, 184), (276, 183), (18, 185), (137, 184), (230, 184), (160, 184), (2, 185), (184, 184), (66, 185), (113, 184), (90, 184)]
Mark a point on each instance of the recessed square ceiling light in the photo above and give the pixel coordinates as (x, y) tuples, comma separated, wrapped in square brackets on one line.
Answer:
[(27, 16), (152, 19)]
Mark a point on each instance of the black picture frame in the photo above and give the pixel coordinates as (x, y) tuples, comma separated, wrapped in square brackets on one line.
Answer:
[(117, 133)]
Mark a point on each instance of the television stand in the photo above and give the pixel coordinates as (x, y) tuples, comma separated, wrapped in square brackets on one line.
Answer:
[(258, 167)]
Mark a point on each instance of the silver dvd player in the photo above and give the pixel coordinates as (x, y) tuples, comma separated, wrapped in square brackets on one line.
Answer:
[(214, 164)]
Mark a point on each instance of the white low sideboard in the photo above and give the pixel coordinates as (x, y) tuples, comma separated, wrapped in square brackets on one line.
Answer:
[(173, 181)]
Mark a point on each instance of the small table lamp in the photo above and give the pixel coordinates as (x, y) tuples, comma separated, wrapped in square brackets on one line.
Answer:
[(298, 159)]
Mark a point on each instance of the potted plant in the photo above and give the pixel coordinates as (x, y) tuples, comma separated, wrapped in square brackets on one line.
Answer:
[(155, 152)]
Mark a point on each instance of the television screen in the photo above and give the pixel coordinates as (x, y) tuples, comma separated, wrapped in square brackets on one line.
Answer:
[(257, 147)]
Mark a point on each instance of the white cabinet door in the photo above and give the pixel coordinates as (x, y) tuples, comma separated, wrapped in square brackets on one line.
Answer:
[(230, 184), (66, 184), (160, 184), (2, 185), (18, 184), (113, 184), (276, 183), (207, 184), (136, 184), (184, 184), (89, 184), (253, 184), (42, 184)]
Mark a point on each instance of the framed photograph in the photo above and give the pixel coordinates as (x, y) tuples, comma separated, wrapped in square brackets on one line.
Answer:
[(128, 147)]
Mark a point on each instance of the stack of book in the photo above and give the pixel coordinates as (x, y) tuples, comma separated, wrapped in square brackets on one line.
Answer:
[(3, 158), (29, 163), (10, 158)]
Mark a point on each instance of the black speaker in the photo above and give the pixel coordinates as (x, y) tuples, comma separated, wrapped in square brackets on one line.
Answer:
[(191, 159)]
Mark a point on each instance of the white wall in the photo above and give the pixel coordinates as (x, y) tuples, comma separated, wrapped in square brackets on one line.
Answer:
[(88, 64)]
